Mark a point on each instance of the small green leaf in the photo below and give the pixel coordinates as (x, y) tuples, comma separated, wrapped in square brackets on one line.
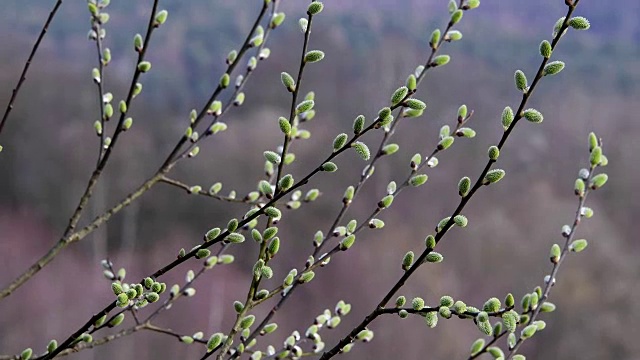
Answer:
[(306, 105), (347, 242), (466, 132), (553, 68), (464, 185), (284, 125), (495, 351), (144, 66), (201, 254), (445, 143), (313, 56), (272, 157), (415, 104), (440, 60), (494, 153), (593, 141), (214, 341), (307, 277), (507, 117), (579, 187), (348, 194), (329, 167), (579, 23), (547, 307), (407, 260), (453, 35), (234, 238), (460, 220), (116, 320), (385, 202), (509, 301), (315, 8), (492, 305), (340, 141), (462, 112), (399, 95), (247, 321), (456, 17), (596, 156), (578, 245), (286, 182), (412, 82), (358, 124), (477, 346), (287, 81), (390, 149), (598, 181), (417, 303), (472, 4), (555, 253), (26, 354), (493, 176), (239, 100), (362, 150), (161, 17), (431, 318), (435, 39), (434, 257), (231, 57), (53, 344), (211, 234), (430, 242), (545, 49), (521, 81), (224, 80), (528, 331), (138, 42), (418, 180), (277, 19)]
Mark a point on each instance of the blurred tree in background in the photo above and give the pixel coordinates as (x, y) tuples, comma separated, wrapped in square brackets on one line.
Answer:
[(50, 148)]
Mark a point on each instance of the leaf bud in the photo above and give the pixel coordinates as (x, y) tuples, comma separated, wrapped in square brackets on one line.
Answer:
[(578, 245), (579, 23), (358, 124), (407, 260), (456, 17), (418, 180), (553, 68), (493, 176), (434, 257), (494, 153), (445, 143), (545, 49), (598, 181), (399, 95), (313, 56), (287, 81), (521, 81), (362, 150), (417, 303), (315, 8)]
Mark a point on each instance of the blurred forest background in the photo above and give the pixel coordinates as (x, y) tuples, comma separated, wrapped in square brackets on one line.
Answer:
[(50, 150)]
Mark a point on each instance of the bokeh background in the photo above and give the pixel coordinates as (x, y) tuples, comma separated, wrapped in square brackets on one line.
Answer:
[(50, 150)]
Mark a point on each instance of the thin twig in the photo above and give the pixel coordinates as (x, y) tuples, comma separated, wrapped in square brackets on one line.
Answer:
[(23, 75), (189, 190)]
